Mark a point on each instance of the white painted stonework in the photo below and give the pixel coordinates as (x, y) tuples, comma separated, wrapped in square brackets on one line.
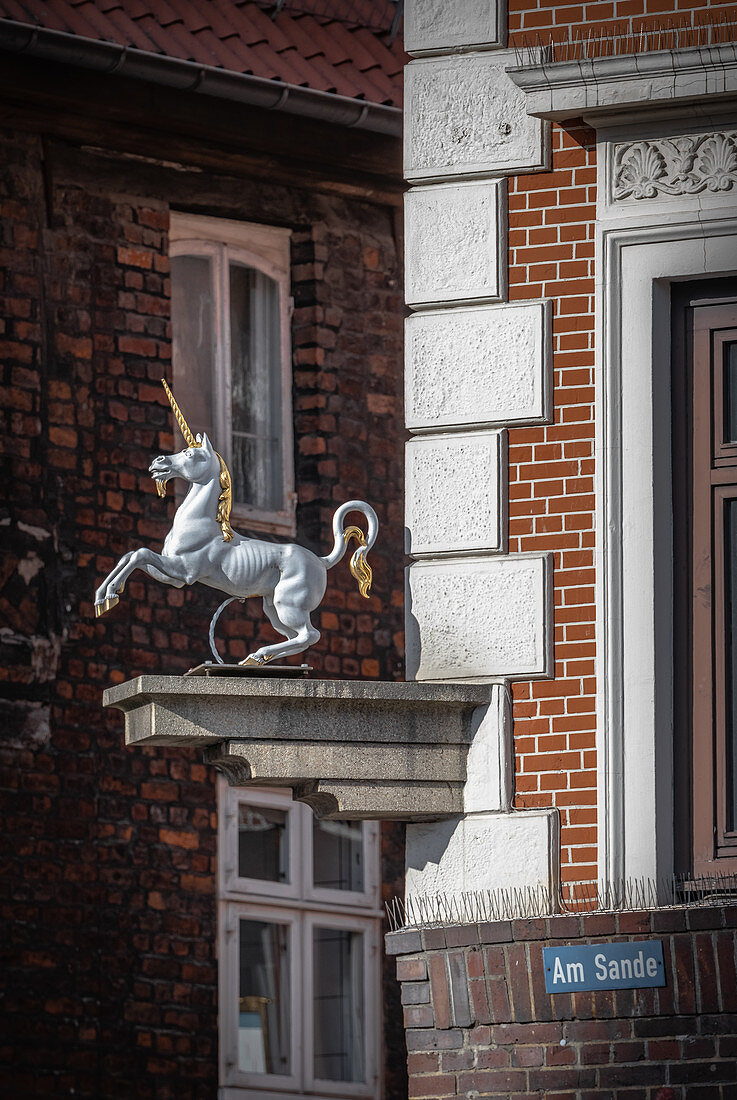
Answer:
[(455, 243), (465, 117), (455, 488), (490, 762), (697, 76), (667, 166), (684, 165), (432, 26), (483, 852), (478, 365), (472, 366), (478, 618)]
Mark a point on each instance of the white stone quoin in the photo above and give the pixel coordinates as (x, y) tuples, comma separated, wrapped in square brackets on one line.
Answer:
[(478, 618), (489, 782), (481, 852), (455, 243), (473, 365), (478, 365), (456, 493), (465, 117), (437, 25)]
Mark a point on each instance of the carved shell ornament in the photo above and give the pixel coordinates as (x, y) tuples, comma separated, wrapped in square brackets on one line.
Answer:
[(642, 170), (717, 163), (675, 166), (202, 546)]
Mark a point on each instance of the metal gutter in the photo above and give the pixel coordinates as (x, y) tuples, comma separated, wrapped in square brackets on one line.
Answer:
[(272, 95)]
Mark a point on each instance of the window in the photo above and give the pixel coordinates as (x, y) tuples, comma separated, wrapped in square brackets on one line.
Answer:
[(299, 949), (231, 356), (705, 511)]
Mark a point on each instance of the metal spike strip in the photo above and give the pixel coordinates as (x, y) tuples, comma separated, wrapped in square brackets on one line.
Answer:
[(524, 903), (713, 29)]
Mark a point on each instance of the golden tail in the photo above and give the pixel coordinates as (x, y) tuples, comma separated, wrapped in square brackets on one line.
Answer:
[(359, 567)]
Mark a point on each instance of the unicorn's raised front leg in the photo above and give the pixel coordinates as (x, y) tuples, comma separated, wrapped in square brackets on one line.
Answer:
[(102, 602), (169, 570)]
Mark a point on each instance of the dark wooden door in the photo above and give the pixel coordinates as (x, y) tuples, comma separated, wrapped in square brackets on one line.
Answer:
[(705, 597)]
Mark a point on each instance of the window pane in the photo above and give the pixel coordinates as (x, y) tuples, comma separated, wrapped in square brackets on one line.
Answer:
[(263, 843), (263, 1006), (338, 1006), (193, 342), (256, 388), (730, 659), (730, 393), (338, 854)]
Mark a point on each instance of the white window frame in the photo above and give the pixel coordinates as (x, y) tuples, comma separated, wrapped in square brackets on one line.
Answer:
[(371, 880), (267, 249), (370, 931), (302, 906), (229, 983), (235, 885)]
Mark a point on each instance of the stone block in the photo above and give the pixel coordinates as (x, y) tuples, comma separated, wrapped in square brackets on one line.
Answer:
[(472, 853), (455, 243), (456, 493), (479, 618), (464, 116), (478, 365), (436, 26)]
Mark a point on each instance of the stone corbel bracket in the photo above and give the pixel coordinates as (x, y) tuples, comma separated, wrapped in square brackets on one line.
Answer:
[(348, 749)]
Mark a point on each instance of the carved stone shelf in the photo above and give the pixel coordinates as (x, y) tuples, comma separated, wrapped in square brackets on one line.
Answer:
[(349, 749)]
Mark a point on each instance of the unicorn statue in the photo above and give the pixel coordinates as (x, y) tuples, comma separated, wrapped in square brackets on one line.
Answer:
[(202, 546)]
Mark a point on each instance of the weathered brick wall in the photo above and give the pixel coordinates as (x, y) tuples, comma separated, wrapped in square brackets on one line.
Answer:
[(479, 1022), (108, 854)]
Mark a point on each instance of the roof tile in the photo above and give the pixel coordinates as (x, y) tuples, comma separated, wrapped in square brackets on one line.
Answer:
[(297, 46), (126, 30)]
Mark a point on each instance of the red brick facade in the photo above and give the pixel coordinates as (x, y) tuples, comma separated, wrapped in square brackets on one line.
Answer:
[(551, 491), (479, 1022), (551, 470), (109, 854)]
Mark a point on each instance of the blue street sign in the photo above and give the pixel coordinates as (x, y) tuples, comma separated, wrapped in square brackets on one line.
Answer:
[(604, 966)]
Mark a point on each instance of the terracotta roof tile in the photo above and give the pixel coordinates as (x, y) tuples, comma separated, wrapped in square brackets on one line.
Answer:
[(213, 16), (193, 17), (328, 45), (254, 23), (128, 30), (74, 20), (351, 47)]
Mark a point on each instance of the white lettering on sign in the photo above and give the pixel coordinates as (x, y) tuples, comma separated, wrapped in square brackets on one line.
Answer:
[(574, 972), (620, 965)]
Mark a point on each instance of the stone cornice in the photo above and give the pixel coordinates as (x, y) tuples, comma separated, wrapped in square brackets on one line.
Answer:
[(349, 749), (570, 89)]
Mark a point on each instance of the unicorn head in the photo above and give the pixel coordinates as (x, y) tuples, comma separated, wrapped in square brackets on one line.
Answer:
[(199, 463)]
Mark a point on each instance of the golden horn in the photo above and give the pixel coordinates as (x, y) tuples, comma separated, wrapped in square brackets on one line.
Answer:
[(183, 425)]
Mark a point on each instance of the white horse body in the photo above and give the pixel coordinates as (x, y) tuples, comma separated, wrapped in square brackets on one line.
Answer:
[(201, 546)]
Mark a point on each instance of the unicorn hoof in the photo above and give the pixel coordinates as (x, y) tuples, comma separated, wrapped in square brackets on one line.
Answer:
[(254, 659), (106, 605)]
